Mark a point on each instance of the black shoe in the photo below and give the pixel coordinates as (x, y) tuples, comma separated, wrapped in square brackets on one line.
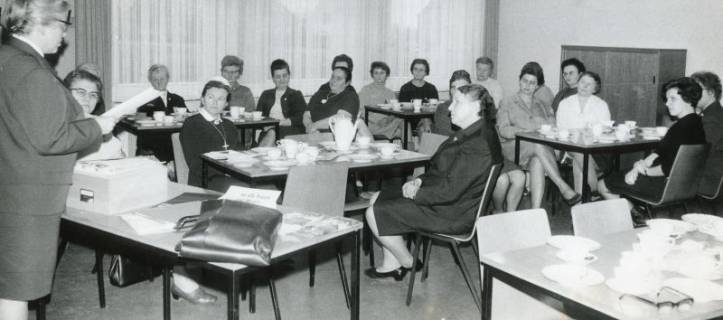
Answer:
[(638, 215), (574, 200), (398, 273)]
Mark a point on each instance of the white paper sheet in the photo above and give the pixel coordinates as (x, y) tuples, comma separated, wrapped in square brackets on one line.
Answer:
[(261, 197), (131, 105), (145, 225)]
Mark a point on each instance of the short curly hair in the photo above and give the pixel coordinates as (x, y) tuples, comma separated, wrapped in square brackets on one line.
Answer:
[(709, 81), (688, 89)]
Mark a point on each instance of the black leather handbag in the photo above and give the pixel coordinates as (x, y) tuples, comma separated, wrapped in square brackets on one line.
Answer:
[(124, 271), (231, 231)]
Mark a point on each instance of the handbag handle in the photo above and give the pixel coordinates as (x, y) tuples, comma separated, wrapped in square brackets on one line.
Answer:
[(186, 222)]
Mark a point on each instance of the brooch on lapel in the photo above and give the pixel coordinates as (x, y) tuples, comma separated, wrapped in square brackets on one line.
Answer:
[(323, 101)]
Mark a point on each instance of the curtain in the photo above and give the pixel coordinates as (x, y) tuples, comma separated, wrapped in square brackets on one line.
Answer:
[(491, 27), (191, 37), (92, 39)]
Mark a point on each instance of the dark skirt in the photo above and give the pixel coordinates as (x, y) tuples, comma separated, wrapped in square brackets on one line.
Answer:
[(649, 188), (29, 227), (396, 215)]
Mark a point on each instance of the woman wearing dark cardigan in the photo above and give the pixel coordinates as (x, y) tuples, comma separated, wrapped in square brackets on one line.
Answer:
[(288, 108), (340, 100), (647, 177), (208, 131), (444, 199)]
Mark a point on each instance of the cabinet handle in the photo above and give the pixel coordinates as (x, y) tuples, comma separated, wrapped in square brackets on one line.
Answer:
[(653, 79)]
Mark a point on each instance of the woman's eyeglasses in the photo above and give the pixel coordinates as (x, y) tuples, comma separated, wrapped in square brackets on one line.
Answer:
[(86, 94), (665, 306)]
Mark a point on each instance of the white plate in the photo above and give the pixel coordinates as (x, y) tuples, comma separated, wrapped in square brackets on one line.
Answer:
[(574, 242), (147, 122), (633, 287), (380, 145), (280, 164), (571, 275), (262, 150), (704, 222), (363, 157), (673, 228), (389, 157)]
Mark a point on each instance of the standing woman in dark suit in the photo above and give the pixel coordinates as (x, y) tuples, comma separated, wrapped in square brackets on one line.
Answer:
[(282, 103), (445, 198), (42, 128)]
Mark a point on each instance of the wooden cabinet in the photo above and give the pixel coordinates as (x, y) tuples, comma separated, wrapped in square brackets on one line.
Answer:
[(632, 79)]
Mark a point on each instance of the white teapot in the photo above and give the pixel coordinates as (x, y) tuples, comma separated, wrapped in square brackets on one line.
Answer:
[(343, 131)]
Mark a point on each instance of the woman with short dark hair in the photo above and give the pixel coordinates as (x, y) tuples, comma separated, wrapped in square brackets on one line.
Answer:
[(418, 88), (375, 93), (543, 92), (288, 108), (710, 109), (341, 100), (648, 176)]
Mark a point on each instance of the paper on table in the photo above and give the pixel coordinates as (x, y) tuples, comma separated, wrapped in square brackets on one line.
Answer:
[(132, 104), (261, 197), (145, 225)]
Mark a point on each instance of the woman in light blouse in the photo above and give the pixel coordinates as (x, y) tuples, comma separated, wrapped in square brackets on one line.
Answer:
[(288, 108), (580, 111), (375, 93), (523, 112)]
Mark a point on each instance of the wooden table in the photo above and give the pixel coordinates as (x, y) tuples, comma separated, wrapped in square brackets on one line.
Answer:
[(521, 269), (637, 143), (138, 131), (259, 172), (407, 115), (110, 233)]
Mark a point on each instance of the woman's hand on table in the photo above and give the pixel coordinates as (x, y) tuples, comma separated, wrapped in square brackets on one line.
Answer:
[(285, 123), (409, 189)]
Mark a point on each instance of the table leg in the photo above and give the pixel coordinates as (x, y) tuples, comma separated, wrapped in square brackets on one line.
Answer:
[(204, 174), (585, 187), (405, 136), (517, 150), (232, 297), (99, 277), (243, 138), (366, 117), (487, 293), (355, 276), (277, 132), (166, 292)]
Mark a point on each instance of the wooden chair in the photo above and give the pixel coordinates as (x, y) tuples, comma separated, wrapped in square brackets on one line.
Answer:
[(594, 219), (454, 240), (179, 159), (684, 174), (512, 231)]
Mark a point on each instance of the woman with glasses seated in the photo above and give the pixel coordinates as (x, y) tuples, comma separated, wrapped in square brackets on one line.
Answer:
[(87, 90), (648, 176), (445, 198)]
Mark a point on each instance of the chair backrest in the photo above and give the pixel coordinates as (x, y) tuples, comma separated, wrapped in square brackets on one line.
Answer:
[(312, 138), (430, 142), (512, 230), (712, 181), (179, 159), (594, 219), (685, 174), (485, 199), (317, 188)]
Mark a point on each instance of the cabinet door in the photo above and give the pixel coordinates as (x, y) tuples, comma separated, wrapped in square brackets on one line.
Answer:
[(629, 86)]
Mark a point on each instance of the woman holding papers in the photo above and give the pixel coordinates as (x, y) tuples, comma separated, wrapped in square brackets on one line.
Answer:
[(42, 130)]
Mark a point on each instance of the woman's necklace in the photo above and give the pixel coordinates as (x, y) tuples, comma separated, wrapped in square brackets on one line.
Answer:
[(328, 95), (221, 133)]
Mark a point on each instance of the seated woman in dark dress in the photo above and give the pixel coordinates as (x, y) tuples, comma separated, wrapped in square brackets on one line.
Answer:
[(207, 131), (444, 199), (647, 177), (282, 103), (340, 100)]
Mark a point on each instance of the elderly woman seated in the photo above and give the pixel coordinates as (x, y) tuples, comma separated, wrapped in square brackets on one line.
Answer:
[(341, 99), (446, 197), (648, 176)]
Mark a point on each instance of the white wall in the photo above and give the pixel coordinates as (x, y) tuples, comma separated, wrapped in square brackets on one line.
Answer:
[(535, 30)]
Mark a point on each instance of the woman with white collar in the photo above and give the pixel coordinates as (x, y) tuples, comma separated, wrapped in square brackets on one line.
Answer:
[(207, 131)]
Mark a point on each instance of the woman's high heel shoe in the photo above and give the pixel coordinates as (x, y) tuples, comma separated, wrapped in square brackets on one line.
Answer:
[(198, 296), (398, 274), (574, 200)]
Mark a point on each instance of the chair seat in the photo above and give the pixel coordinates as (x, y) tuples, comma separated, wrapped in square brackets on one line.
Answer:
[(361, 204)]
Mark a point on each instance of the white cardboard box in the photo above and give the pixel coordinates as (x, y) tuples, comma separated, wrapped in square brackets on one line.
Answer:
[(115, 186)]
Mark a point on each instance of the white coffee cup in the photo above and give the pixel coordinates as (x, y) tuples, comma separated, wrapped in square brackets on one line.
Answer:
[(235, 112), (597, 130), (312, 151), (563, 134), (545, 128), (290, 147), (631, 124), (363, 142), (274, 154), (387, 151), (257, 115), (621, 135), (417, 103), (433, 101), (180, 110), (159, 116), (168, 119)]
